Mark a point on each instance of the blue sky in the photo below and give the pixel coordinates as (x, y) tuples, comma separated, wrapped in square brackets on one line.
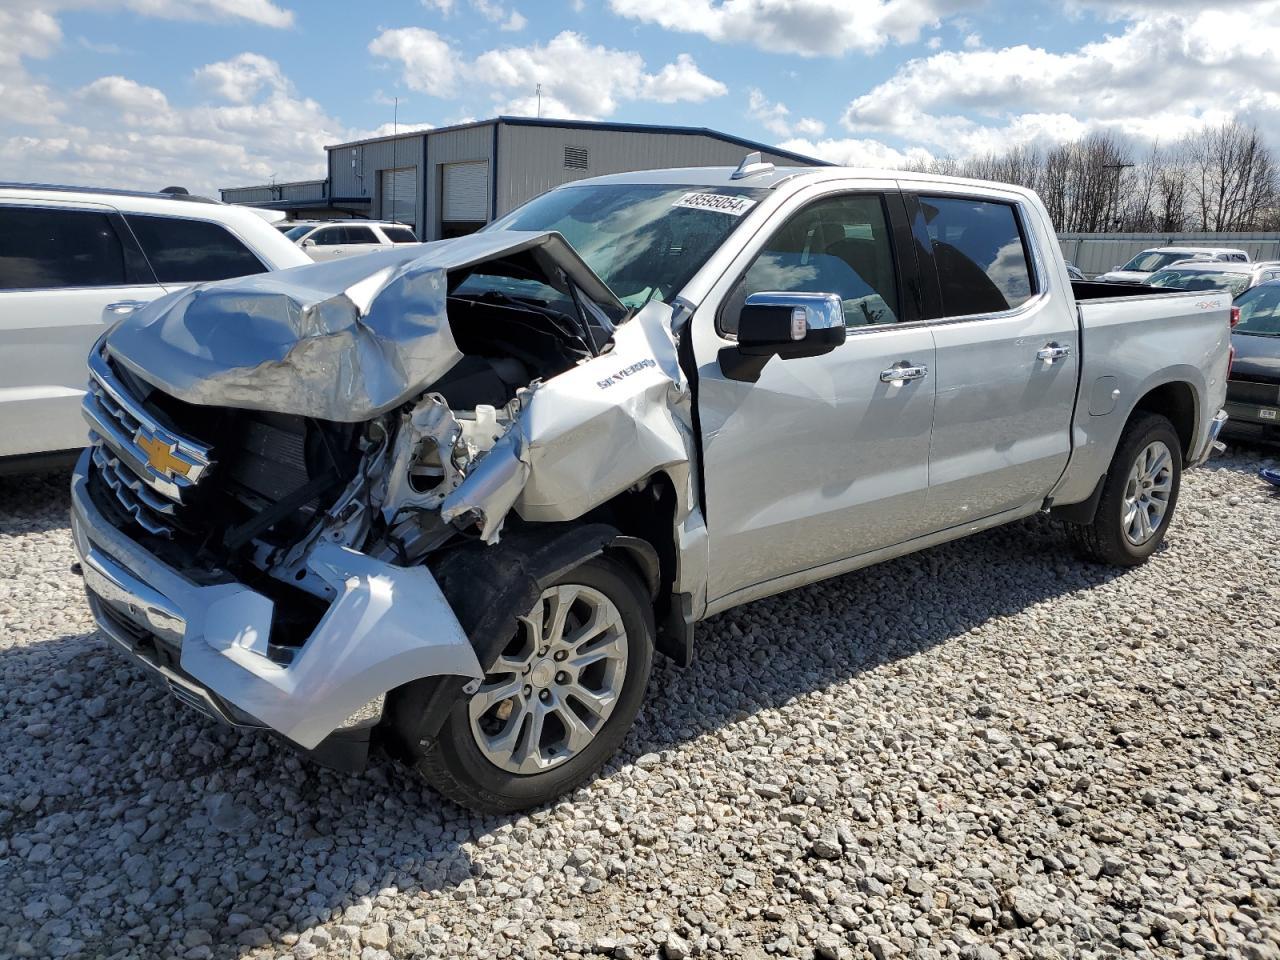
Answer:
[(213, 93)]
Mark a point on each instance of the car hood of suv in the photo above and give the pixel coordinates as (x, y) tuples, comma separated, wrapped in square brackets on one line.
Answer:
[(342, 340)]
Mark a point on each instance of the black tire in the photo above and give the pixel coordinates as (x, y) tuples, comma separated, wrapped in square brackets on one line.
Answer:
[(1104, 540), (454, 764)]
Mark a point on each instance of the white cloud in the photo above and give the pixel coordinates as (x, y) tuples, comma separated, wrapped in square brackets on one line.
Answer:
[(972, 41), (241, 78), (428, 62), (262, 12), (491, 10), (1165, 74), (805, 27), (145, 106), (776, 118), (133, 137), (578, 79), (858, 153)]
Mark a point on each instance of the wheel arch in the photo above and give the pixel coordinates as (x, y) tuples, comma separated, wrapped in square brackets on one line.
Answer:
[(1177, 402)]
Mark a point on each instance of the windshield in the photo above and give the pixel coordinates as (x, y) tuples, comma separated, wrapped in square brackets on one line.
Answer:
[(645, 241), (297, 233), (1260, 311), (1192, 279), (1150, 261)]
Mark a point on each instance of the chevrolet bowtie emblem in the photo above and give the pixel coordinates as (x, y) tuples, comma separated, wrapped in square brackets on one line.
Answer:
[(161, 457)]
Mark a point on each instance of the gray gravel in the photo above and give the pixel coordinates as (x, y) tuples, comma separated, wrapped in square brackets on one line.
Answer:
[(986, 750)]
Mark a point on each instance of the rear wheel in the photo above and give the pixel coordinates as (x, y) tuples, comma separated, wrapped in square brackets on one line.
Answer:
[(1138, 496), (558, 700)]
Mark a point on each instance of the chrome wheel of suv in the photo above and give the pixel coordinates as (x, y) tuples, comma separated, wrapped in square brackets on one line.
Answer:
[(555, 685)]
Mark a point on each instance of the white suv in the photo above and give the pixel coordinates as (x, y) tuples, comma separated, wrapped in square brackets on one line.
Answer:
[(332, 239), (74, 260)]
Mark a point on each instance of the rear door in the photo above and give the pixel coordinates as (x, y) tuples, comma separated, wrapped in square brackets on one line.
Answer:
[(1007, 356), (359, 238), (820, 458), (62, 265)]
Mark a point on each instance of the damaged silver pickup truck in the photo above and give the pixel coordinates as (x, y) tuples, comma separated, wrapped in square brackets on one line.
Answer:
[(449, 500)]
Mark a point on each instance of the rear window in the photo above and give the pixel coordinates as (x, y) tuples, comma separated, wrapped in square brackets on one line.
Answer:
[(43, 248), (399, 234), (358, 235), (192, 251), (980, 255)]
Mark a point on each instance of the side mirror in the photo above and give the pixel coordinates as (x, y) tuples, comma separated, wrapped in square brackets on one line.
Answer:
[(783, 325), (308, 243)]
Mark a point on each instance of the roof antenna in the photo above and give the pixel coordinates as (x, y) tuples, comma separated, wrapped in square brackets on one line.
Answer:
[(752, 165)]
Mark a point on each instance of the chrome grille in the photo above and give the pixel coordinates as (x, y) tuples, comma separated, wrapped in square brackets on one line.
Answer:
[(147, 467), (151, 511)]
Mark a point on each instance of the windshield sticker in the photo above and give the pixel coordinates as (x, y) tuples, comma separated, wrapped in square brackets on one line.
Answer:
[(733, 206)]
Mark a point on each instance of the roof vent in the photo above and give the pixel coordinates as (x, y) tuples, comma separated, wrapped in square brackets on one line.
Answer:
[(752, 164), (575, 158)]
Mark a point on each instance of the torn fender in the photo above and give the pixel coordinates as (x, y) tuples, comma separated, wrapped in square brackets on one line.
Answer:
[(590, 433), (343, 340)]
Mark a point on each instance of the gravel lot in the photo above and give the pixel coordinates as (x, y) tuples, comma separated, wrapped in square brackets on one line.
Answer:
[(985, 750)]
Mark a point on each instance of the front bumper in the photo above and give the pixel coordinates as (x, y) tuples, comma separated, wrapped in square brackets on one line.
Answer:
[(386, 627)]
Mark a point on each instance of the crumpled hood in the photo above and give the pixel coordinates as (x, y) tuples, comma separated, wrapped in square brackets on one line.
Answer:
[(343, 340)]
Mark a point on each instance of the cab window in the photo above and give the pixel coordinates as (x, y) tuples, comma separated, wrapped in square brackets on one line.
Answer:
[(980, 255), (838, 245)]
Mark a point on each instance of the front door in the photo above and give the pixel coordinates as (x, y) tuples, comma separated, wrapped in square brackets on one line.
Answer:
[(821, 458), (1007, 359)]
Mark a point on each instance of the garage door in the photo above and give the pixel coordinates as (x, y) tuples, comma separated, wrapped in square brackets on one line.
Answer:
[(400, 195), (466, 192)]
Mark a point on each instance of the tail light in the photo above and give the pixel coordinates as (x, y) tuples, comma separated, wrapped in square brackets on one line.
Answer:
[(1235, 317)]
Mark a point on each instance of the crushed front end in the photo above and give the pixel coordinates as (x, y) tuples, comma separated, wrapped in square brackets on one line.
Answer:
[(278, 464), (225, 564)]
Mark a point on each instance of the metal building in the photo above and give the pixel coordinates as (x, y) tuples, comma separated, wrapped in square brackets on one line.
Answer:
[(452, 180)]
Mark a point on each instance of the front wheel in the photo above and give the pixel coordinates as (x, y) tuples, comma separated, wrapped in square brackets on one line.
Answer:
[(1139, 495), (558, 700)]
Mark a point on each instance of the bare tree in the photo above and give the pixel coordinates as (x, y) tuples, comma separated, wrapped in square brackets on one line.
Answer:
[(1233, 177)]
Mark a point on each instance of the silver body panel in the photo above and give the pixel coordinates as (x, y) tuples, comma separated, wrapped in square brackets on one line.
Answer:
[(819, 467)]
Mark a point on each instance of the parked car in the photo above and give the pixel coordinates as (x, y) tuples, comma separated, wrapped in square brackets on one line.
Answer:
[(1148, 262), (1233, 278), (1253, 389), (73, 260), (451, 499), (330, 239)]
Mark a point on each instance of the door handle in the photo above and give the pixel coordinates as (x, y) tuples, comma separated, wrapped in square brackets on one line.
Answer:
[(122, 307), (1052, 352), (904, 370)]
